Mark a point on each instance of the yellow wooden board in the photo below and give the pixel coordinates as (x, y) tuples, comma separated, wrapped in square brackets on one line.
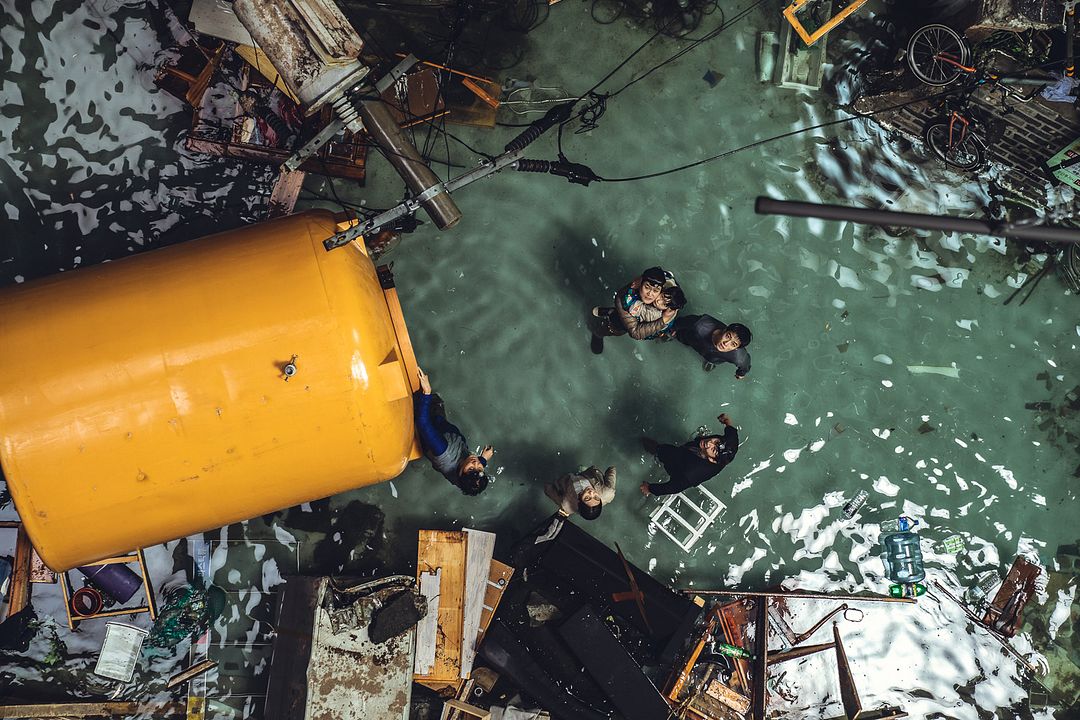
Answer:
[(446, 550)]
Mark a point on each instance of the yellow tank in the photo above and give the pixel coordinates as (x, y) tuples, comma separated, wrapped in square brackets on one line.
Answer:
[(146, 399)]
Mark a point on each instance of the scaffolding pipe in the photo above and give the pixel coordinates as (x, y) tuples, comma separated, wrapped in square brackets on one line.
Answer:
[(1070, 30), (944, 223)]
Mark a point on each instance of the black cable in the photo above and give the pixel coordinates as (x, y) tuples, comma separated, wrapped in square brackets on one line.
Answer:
[(799, 131), (782, 136)]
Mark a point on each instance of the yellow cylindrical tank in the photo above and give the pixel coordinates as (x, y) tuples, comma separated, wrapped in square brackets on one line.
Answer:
[(146, 399)]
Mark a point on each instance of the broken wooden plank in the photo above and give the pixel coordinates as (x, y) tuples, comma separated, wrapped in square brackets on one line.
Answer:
[(20, 573), (479, 547), (446, 550), (467, 709), (192, 672), (428, 629), (498, 581)]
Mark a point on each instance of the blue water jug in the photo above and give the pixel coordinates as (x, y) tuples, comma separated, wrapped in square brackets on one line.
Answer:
[(903, 558)]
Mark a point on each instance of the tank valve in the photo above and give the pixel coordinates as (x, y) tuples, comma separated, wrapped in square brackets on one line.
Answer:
[(290, 368)]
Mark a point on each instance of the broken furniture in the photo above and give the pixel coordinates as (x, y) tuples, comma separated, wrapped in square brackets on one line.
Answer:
[(685, 516), (463, 585), (571, 634), (727, 668), (1004, 614), (434, 90), (74, 616), (812, 36), (325, 665), (189, 77)]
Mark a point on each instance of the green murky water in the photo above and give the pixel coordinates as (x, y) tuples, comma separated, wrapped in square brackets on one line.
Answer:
[(497, 310)]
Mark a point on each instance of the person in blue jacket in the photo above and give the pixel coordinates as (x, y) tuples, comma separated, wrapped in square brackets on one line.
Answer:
[(445, 446)]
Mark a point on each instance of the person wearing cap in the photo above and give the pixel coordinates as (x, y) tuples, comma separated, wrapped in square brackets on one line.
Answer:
[(693, 463), (584, 492), (716, 342), (645, 309), (444, 444)]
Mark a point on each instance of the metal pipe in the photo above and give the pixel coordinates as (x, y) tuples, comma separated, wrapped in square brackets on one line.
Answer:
[(425, 185), (1070, 29), (797, 595), (944, 223)]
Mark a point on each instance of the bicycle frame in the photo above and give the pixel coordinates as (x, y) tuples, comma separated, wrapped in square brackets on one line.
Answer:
[(957, 119)]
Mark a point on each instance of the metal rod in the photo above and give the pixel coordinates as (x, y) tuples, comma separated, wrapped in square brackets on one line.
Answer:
[(425, 185), (803, 636), (944, 223), (797, 595)]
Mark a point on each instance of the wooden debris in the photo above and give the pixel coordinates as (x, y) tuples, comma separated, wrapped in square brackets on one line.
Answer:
[(192, 672)]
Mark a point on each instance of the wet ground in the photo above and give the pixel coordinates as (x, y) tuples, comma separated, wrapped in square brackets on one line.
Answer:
[(881, 363)]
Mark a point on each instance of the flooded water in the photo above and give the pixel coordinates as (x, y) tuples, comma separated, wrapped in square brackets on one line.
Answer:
[(881, 363)]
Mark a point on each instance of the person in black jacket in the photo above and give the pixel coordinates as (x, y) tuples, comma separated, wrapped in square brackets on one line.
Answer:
[(695, 462), (716, 342)]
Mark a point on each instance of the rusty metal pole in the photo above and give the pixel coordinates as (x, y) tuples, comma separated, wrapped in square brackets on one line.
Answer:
[(1034, 233)]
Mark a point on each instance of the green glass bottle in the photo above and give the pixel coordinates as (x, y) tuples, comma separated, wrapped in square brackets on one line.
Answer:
[(732, 651)]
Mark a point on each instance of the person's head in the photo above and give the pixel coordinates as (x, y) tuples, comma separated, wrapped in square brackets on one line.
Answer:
[(589, 504), (652, 282), (733, 338), (710, 446), (471, 476), (672, 297)]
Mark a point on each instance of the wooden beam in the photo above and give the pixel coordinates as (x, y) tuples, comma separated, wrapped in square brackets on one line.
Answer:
[(479, 548), (64, 710), (20, 573), (194, 671), (468, 709)]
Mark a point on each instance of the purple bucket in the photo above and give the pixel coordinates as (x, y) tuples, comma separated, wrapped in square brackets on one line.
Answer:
[(115, 580)]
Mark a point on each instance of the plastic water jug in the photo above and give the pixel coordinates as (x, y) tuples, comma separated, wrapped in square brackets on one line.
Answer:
[(903, 558)]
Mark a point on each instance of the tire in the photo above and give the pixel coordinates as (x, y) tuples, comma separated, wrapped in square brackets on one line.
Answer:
[(967, 155), (931, 40)]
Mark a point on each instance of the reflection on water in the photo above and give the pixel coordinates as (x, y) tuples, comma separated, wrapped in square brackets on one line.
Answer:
[(883, 362)]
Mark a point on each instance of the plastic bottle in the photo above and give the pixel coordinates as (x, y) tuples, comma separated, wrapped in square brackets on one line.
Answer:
[(903, 558), (908, 590), (732, 651), (900, 524), (854, 504)]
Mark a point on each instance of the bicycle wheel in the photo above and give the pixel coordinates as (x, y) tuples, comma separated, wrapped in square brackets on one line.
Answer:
[(965, 155), (926, 50)]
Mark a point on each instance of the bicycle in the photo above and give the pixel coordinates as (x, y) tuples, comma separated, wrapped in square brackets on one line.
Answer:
[(938, 56)]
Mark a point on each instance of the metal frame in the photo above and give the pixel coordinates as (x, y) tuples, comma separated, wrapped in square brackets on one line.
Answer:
[(148, 588), (811, 38), (696, 531)]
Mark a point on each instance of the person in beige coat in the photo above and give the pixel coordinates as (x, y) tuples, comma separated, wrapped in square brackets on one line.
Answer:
[(584, 492)]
